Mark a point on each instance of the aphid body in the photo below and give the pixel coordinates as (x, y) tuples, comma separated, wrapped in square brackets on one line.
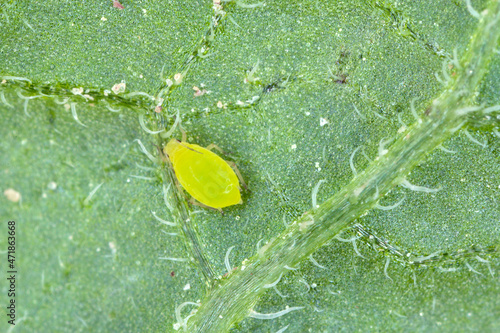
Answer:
[(203, 174)]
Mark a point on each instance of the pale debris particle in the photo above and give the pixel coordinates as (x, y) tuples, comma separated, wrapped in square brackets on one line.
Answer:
[(199, 92), (117, 4), (112, 247), (159, 101), (103, 19), (178, 78), (119, 87), (77, 91), (12, 195), (304, 225), (187, 287), (52, 186), (294, 146), (323, 122)]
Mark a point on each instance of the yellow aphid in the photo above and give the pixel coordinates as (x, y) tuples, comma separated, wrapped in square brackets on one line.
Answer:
[(203, 174)]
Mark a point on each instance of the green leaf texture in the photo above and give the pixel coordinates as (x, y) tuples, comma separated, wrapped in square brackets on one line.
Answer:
[(295, 92)]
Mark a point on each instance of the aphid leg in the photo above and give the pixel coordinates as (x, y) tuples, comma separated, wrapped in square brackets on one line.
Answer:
[(163, 157), (193, 201), (238, 173), (177, 184), (214, 146), (179, 188)]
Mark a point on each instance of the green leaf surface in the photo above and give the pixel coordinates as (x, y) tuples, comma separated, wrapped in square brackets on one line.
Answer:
[(289, 90)]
